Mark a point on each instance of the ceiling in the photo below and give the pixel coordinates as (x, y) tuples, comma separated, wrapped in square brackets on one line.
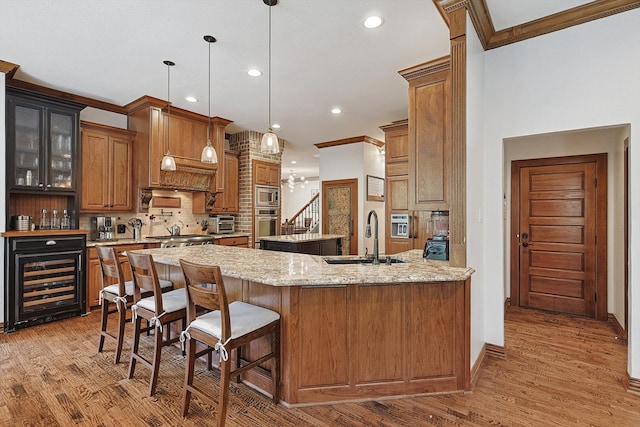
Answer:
[(322, 57)]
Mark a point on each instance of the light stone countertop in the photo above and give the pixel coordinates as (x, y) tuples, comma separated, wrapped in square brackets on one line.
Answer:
[(302, 237), (129, 241), (292, 269)]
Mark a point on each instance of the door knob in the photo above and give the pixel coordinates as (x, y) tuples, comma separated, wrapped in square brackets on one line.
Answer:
[(525, 244), (525, 236)]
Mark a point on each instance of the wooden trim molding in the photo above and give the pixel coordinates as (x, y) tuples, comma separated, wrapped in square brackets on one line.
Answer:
[(398, 124), (620, 331), (491, 39), (351, 140), (632, 384), (475, 369), (8, 68), (426, 68), (496, 351)]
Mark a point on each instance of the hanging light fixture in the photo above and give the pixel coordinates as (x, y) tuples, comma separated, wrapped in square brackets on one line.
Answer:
[(208, 152), (269, 143), (168, 162)]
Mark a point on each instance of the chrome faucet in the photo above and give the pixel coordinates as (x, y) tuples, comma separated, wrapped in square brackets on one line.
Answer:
[(367, 233)]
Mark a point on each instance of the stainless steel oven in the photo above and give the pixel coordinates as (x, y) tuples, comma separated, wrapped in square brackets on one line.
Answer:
[(267, 196), (266, 223)]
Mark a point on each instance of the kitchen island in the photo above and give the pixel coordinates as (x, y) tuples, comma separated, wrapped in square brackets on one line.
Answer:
[(350, 332), (304, 243)]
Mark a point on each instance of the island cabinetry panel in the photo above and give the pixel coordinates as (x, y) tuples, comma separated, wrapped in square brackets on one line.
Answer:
[(325, 246), (107, 158)]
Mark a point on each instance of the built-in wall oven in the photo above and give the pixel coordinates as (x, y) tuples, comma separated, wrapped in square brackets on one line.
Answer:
[(44, 279), (266, 223)]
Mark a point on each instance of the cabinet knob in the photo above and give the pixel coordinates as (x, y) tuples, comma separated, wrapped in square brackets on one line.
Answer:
[(48, 185), (41, 185)]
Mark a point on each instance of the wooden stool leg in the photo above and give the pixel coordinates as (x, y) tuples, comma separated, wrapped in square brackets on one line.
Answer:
[(225, 366), (122, 319), (103, 323), (275, 367), (134, 347), (188, 375), (157, 355)]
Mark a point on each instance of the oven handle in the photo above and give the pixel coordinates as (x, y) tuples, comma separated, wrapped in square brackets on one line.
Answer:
[(51, 243)]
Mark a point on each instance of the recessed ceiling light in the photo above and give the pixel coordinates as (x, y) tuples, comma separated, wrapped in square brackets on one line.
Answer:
[(293, 162), (336, 110), (275, 126), (373, 22), (191, 99), (254, 72)]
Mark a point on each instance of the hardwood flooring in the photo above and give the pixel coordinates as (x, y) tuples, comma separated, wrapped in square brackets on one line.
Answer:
[(559, 371)]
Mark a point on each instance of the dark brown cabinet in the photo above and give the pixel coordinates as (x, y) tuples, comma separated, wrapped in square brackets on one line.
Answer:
[(42, 143), (106, 168), (328, 246)]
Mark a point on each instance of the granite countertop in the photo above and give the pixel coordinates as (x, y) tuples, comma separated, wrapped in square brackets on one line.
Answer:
[(302, 237), (130, 241), (293, 269)]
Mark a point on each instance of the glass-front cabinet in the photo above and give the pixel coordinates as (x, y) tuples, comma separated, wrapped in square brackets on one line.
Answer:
[(42, 143)]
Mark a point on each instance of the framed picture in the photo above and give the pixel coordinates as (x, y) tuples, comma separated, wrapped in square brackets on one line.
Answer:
[(375, 188)]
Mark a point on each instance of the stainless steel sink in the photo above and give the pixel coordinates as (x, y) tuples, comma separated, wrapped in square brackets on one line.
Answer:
[(361, 260)]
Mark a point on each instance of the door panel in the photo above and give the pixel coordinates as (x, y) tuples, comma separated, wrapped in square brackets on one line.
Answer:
[(340, 212), (558, 208)]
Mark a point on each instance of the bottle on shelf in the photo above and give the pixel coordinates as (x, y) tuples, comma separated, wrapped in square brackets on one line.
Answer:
[(55, 221), (65, 223), (29, 178), (44, 221)]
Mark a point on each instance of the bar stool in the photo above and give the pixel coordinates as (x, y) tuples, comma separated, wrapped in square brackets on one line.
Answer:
[(116, 291), (225, 328), (160, 310)]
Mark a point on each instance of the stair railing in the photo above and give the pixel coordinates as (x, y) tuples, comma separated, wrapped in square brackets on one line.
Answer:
[(306, 220)]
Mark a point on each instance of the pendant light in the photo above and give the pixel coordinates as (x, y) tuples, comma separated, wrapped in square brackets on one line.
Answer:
[(208, 152), (269, 143), (168, 162)]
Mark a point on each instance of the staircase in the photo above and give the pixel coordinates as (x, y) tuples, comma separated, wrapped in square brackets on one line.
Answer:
[(306, 220)]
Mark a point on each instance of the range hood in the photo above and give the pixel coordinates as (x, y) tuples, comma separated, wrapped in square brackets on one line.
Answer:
[(188, 177)]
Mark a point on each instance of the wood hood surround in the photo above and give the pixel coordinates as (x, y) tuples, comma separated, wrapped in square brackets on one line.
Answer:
[(148, 117)]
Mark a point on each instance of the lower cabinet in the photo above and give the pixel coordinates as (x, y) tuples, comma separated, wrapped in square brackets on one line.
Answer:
[(94, 273), (331, 246), (242, 241)]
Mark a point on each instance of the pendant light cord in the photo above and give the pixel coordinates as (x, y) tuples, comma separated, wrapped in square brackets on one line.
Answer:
[(270, 7), (209, 115), (169, 108)]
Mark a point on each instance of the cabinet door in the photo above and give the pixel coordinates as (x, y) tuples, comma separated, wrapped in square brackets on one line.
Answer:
[(24, 144), (121, 171), (266, 173), (228, 201), (396, 144), (95, 172), (398, 193), (274, 174), (62, 130), (94, 279), (429, 148)]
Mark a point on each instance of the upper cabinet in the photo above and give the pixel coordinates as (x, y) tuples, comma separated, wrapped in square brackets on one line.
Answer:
[(227, 202), (266, 173), (429, 139), (187, 136), (107, 158), (42, 143)]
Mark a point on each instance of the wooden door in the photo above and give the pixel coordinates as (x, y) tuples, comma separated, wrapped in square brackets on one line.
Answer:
[(340, 212), (561, 234)]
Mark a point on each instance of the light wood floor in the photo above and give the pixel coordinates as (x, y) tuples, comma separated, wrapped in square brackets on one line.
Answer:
[(559, 371)]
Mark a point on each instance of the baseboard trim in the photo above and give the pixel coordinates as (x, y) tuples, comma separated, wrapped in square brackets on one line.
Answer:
[(475, 370), (620, 331), (496, 351), (507, 303), (632, 384)]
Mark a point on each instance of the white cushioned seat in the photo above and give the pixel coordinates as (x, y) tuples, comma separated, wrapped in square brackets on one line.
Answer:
[(128, 287), (244, 319), (171, 301)]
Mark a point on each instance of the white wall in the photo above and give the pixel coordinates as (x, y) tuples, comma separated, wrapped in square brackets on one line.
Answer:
[(356, 161), (581, 77), (608, 140), (292, 201), (475, 199), (103, 117), (3, 177)]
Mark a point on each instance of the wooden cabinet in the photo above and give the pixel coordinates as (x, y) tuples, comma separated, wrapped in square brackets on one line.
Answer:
[(266, 173), (428, 138), (106, 168), (42, 143), (240, 241), (227, 202), (188, 136), (326, 246)]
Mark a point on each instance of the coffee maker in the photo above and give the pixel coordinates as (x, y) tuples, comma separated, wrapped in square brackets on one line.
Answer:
[(100, 227), (437, 247)]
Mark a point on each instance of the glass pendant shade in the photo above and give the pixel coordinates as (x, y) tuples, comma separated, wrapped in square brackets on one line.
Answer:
[(168, 162), (209, 154), (269, 143)]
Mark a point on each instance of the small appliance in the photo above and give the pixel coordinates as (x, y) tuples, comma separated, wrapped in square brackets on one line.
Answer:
[(437, 247), (267, 196), (221, 224), (400, 225), (101, 227)]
